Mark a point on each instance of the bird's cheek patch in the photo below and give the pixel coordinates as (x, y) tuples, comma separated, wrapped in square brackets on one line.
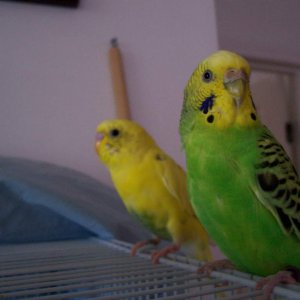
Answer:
[(110, 148), (207, 104)]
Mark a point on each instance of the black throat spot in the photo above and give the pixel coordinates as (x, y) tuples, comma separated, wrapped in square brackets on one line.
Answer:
[(207, 104)]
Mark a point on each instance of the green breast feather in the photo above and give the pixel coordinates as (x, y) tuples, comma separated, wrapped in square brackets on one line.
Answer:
[(245, 191)]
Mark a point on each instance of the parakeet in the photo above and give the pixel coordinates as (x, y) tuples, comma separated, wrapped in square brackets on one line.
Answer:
[(242, 184), (152, 186)]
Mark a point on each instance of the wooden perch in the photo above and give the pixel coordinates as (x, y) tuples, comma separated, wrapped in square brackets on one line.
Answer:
[(118, 81)]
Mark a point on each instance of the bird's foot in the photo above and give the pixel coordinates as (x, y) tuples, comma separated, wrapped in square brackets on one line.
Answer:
[(142, 244), (288, 276), (208, 267), (156, 255)]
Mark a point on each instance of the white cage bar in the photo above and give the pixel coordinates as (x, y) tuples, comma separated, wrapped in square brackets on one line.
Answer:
[(95, 269)]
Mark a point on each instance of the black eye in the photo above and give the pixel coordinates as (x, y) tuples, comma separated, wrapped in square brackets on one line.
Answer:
[(114, 132), (207, 76)]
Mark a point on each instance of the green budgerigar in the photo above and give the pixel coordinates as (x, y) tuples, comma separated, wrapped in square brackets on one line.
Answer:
[(249, 198)]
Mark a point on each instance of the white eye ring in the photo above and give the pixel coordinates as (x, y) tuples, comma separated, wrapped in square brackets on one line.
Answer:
[(207, 76)]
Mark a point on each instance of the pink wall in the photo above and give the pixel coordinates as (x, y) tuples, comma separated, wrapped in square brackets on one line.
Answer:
[(261, 29), (55, 81)]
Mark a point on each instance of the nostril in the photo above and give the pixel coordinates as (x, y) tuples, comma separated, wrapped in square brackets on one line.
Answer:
[(234, 74), (231, 74), (99, 137)]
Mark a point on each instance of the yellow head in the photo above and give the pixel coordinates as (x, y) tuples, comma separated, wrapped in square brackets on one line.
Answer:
[(218, 94), (119, 141)]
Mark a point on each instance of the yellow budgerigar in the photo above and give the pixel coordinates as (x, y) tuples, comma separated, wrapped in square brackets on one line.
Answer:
[(152, 186)]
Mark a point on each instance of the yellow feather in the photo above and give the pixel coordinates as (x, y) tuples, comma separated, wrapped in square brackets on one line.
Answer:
[(150, 183), (224, 113)]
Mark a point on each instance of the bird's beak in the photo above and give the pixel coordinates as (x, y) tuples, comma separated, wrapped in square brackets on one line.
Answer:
[(99, 137), (235, 82)]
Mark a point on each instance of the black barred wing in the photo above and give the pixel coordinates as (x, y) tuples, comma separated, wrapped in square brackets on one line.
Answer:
[(279, 184)]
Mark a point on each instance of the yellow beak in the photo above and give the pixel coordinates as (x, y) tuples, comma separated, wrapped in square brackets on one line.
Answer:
[(235, 82)]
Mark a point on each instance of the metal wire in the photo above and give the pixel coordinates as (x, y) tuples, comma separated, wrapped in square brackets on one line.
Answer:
[(95, 269)]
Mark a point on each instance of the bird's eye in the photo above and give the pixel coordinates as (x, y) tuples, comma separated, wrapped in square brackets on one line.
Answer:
[(207, 76), (114, 132)]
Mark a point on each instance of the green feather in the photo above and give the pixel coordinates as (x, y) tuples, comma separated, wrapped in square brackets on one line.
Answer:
[(243, 187), (230, 206)]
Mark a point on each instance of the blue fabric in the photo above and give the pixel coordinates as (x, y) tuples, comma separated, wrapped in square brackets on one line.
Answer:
[(23, 222), (44, 202)]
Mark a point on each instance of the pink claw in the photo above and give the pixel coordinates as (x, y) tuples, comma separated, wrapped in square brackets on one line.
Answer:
[(142, 244), (137, 246), (208, 267), (270, 282), (156, 255)]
